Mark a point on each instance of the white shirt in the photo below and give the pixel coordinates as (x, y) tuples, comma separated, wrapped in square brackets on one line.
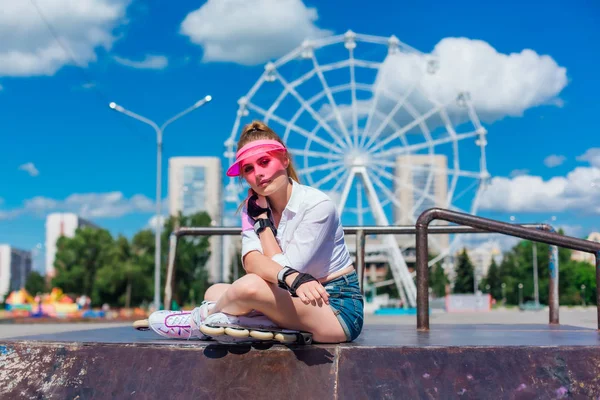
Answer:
[(310, 234)]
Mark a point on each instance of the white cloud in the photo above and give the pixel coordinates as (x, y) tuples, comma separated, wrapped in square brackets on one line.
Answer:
[(152, 222), (29, 48), (149, 62), (499, 84), (576, 191), (30, 168), (88, 205), (591, 156), (518, 172), (250, 32), (554, 160)]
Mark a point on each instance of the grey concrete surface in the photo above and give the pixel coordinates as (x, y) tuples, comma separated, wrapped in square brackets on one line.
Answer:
[(584, 318)]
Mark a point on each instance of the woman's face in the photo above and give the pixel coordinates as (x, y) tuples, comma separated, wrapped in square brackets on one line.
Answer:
[(266, 172)]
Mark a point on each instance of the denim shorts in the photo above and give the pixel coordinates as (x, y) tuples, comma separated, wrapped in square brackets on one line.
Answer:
[(347, 303)]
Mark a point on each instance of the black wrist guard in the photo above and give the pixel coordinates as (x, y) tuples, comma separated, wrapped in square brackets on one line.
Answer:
[(254, 210), (262, 224), (300, 279)]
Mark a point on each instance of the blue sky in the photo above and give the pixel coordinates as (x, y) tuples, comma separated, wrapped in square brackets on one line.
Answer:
[(55, 114)]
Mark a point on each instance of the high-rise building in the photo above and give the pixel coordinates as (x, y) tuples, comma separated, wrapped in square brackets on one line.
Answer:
[(415, 195), (583, 256), (481, 259), (15, 266), (57, 225), (195, 185)]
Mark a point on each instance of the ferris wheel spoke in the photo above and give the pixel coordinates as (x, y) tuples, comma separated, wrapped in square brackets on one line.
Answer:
[(353, 93), (304, 104), (389, 195), (333, 174), (415, 114), (396, 151), (315, 154), (370, 115), (464, 191), (320, 167), (294, 127), (332, 102), (406, 128), (399, 104), (359, 203)]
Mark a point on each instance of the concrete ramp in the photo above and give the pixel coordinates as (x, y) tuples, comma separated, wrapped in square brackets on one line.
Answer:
[(387, 362)]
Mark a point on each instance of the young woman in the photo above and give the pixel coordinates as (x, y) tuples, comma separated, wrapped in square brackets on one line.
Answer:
[(299, 271)]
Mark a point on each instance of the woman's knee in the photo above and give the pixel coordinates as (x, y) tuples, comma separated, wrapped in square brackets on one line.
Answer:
[(248, 287), (214, 292)]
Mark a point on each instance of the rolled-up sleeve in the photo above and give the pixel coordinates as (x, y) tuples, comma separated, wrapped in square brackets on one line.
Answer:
[(313, 240), (250, 242)]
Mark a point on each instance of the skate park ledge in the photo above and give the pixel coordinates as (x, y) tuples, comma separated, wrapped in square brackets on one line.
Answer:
[(386, 361)]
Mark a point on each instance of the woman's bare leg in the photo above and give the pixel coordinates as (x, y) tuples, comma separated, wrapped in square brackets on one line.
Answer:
[(214, 292), (251, 292)]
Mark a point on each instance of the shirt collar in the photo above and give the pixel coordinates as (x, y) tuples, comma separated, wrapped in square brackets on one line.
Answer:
[(296, 198)]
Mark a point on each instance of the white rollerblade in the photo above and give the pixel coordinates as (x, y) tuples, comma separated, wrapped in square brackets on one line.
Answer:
[(250, 328), (177, 324)]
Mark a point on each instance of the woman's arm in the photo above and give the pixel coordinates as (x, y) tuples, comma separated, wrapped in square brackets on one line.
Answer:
[(315, 235)]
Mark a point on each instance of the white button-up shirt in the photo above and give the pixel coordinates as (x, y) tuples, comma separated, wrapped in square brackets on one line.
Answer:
[(310, 234)]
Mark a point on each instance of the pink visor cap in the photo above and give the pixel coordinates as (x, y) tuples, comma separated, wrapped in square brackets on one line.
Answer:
[(252, 149)]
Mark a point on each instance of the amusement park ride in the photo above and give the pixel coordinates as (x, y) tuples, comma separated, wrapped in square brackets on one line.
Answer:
[(368, 122)]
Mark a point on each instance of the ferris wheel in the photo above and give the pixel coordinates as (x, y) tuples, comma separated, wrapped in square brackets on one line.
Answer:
[(369, 121)]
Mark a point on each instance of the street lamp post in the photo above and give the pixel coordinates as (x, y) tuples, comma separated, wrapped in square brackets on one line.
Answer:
[(536, 291), (520, 294), (159, 138)]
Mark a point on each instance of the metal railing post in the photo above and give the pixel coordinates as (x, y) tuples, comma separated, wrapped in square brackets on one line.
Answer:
[(598, 287), (360, 258), (553, 302), (422, 275)]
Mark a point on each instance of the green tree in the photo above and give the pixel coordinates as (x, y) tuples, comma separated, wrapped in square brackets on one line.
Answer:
[(35, 283), (126, 280), (572, 275), (438, 280), (465, 276), (79, 258), (494, 280)]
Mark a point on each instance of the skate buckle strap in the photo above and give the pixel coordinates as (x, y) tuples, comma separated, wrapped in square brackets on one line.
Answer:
[(300, 279)]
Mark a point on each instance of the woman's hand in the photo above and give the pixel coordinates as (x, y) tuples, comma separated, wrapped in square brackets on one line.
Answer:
[(257, 205), (262, 200), (309, 292)]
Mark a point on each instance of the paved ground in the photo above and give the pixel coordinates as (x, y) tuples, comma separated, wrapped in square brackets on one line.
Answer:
[(585, 318)]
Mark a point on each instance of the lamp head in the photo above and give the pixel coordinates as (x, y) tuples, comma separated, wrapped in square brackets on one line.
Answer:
[(115, 106)]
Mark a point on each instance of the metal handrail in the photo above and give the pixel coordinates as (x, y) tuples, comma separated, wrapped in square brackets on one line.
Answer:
[(548, 236), (361, 232)]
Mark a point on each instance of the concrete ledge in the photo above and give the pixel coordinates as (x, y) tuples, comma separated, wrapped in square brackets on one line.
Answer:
[(371, 368)]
